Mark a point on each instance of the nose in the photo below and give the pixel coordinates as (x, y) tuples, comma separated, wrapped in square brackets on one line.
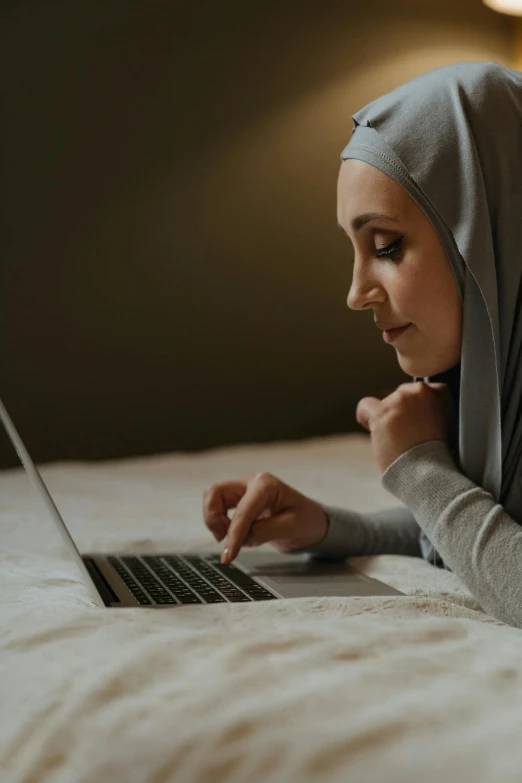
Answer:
[(363, 293)]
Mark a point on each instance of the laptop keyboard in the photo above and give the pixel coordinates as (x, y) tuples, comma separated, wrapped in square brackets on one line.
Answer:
[(172, 579)]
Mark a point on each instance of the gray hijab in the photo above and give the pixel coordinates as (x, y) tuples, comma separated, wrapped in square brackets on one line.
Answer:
[(452, 137)]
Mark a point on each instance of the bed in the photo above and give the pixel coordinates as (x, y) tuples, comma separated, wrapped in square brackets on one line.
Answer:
[(420, 687)]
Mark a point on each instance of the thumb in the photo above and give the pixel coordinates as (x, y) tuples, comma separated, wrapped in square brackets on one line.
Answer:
[(366, 410)]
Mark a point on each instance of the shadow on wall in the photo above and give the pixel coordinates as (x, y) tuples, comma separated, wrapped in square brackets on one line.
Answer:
[(172, 273)]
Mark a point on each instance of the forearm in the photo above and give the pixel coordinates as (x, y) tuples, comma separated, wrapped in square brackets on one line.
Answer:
[(474, 535)]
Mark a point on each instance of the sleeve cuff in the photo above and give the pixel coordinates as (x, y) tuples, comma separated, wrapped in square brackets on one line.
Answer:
[(333, 543)]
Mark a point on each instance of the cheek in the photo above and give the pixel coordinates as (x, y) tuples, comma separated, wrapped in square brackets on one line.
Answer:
[(410, 293), (440, 321), (431, 301)]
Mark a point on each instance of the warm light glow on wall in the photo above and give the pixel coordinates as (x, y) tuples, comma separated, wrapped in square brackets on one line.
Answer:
[(513, 7)]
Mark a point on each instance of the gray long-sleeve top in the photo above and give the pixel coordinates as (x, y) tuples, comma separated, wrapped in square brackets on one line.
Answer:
[(474, 535)]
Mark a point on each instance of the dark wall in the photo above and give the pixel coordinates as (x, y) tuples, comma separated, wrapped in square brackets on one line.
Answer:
[(172, 275)]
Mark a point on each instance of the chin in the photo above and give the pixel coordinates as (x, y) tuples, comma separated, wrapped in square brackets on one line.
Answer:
[(434, 358), (423, 369)]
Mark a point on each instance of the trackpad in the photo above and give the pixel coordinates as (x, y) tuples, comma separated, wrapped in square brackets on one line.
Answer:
[(286, 568), (299, 575)]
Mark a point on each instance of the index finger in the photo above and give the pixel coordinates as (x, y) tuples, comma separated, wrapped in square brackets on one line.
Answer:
[(217, 500), (255, 500)]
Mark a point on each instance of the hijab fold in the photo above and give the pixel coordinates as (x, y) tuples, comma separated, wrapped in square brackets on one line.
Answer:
[(452, 137)]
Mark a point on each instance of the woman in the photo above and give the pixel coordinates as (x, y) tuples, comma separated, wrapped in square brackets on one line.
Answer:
[(430, 193)]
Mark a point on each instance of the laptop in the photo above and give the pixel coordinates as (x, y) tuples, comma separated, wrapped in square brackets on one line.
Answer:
[(176, 579)]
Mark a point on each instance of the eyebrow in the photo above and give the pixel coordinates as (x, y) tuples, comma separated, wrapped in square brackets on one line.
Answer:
[(361, 220)]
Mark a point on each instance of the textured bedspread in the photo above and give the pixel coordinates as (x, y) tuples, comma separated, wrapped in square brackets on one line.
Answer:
[(416, 688)]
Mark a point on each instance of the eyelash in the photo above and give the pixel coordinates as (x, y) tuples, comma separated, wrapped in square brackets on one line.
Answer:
[(390, 251)]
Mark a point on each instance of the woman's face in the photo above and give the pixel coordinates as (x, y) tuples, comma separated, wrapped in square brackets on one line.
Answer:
[(415, 285)]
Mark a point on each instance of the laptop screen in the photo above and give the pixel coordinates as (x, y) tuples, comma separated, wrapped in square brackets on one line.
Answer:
[(42, 490)]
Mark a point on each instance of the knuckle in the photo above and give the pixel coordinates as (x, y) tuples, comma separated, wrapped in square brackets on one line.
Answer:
[(264, 478), (392, 416)]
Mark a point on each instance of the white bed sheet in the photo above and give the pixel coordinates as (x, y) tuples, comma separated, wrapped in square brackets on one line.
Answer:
[(413, 688)]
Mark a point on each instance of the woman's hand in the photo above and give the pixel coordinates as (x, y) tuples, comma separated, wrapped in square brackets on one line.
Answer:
[(266, 511), (414, 413)]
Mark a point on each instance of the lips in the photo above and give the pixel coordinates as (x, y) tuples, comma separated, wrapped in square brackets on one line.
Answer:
[(390, 327), (390, 335)]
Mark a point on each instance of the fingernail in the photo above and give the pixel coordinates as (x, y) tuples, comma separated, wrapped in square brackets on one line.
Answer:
[(225, 557)]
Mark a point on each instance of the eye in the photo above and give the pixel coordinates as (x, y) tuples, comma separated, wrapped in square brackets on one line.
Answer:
[(390, 251)]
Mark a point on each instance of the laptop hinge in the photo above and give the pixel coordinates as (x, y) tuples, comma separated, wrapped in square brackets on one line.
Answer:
[(108, 595)]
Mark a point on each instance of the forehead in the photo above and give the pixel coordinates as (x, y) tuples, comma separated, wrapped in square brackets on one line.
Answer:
[(362, 187)]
